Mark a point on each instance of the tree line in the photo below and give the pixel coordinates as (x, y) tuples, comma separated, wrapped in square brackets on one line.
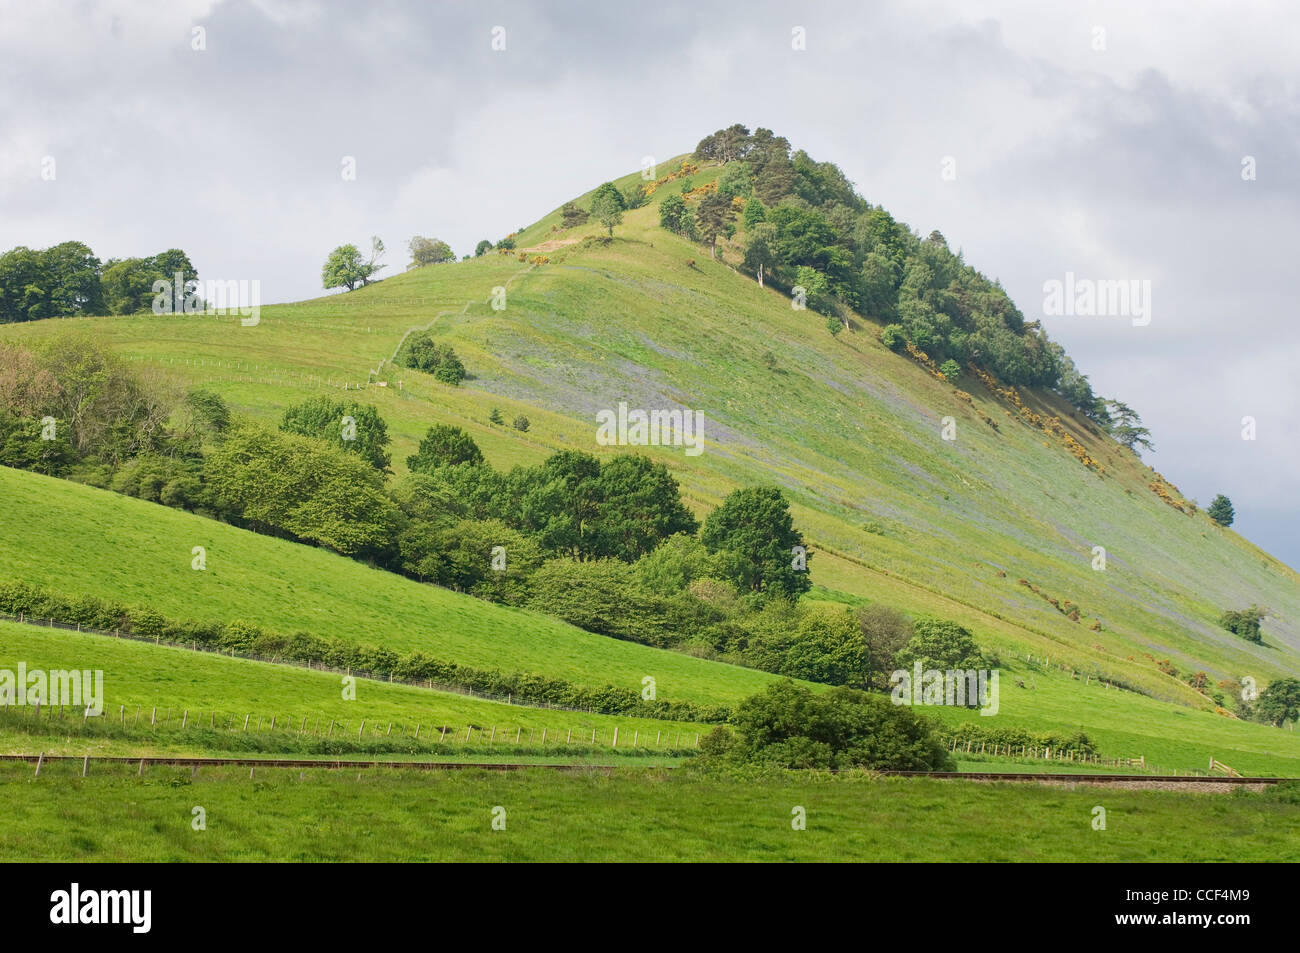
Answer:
[(68, 279)]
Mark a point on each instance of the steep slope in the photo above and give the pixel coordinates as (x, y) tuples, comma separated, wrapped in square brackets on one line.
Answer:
[(82, 541), (851, 430)]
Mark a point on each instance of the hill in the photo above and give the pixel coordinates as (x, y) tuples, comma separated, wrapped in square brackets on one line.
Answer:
[(994, 529)]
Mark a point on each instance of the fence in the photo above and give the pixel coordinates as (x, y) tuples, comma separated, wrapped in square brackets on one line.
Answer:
[(193, 646), (431, 733), (1047, 753)]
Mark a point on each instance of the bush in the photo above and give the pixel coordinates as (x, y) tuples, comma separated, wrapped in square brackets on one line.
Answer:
[(422, 353), (1244, 622), (788, 726), (951, 370), (521, 423), (893, 336)]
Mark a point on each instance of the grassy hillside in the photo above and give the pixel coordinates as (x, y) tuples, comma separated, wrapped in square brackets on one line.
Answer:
[(850, 430), (214, 689), (101, 544)]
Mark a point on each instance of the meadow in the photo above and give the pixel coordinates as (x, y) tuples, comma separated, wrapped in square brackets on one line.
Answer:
[(625, 815)]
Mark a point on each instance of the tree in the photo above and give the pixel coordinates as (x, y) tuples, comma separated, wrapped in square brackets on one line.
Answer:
[(758, 247), (884, 632), (893, 336), (754, 529), (571, 216), (376, 253), (432, 251), (951, 370), (1220, 510), (939, 644), (347, 425), (754, 213), (671, 210), (827, 648), (344, 268), (520, 423), (1126, 425), (640, 507), (106, 409), (444, 445), (736, 181), (1279, 703), (724, 145), (481, 249), (208, 410), (73, 280), (495, 417), (607, 205), (713, 216)]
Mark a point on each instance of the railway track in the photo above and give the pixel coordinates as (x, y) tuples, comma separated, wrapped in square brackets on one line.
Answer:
[(339, 764)]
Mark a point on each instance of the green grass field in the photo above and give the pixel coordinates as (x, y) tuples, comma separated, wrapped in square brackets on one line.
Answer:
[(631, 815), (98, 543), (141, 678)]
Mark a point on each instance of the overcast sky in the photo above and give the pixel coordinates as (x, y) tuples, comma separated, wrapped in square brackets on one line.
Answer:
[(1089, 138)]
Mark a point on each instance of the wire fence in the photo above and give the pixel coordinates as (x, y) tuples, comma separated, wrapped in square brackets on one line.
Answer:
[(277, 659)]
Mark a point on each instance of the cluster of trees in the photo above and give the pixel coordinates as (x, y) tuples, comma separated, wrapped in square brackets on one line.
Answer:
[(423, 353), (1244, 622), (607, 206), (68, 279), (71, 400), (804, 225)]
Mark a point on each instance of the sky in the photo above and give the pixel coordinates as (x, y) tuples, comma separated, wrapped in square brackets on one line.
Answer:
[(1100, 140)]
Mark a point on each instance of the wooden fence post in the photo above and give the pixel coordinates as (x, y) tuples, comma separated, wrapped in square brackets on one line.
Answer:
[(615, 745), (39, 761), (85, 765)]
